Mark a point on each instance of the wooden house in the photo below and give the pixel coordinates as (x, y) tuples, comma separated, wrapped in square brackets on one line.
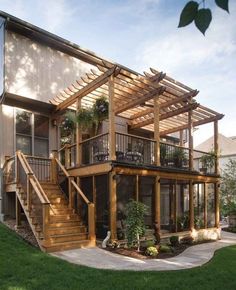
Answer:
[(71, 195)]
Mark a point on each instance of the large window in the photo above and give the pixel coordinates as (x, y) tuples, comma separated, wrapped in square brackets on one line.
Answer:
[(199, 205), (32, 131), (2, 22), (211, 208)]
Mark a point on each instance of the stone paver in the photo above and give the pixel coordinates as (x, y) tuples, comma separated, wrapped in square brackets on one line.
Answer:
[(192, 257)]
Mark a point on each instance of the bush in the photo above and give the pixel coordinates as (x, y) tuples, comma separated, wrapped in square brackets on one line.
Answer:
[(174, 241), (187, 240), (165, 249), (152, 251)]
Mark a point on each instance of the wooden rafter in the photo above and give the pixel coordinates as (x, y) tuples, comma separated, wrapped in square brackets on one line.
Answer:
[(88, 89), (156, 92), (195, 124), (166, 115)]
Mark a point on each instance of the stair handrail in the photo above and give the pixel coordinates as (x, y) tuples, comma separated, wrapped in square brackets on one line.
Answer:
[(32, 179), (91, 209)]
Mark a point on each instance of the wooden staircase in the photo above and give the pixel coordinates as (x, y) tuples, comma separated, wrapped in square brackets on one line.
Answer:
[(53, 220)]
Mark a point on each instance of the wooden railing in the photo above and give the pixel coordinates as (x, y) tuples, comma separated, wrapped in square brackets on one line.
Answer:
[(174, 156), (41, 167), (37, 203), (73, 189)]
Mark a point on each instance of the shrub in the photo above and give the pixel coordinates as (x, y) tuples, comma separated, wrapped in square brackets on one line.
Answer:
[(152, 251), (174, 241), (187, 240), (135, 222), (165, 249)]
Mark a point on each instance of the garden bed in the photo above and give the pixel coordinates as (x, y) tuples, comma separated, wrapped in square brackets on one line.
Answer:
[(174, 251)]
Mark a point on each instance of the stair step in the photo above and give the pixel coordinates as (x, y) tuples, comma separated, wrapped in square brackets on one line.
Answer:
[(52, 247), (67, 230), (62, 218), (68, 238), (65, 224), (61, 211)]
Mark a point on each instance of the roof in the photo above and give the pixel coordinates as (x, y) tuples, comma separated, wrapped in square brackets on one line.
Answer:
[(227, 146)]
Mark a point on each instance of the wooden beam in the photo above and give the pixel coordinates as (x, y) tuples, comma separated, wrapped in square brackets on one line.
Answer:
[(112, 208), (99, 81), (78, 137), (166, 104), (190, 138), (157, 130), (205, 204), (111, 119), (217, 204), (157, 201), (195, 124), (191, 206), (166, 115), (216, 146), (156, 92)]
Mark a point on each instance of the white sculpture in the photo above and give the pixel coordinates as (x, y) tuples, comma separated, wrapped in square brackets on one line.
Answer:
[(104, 243)]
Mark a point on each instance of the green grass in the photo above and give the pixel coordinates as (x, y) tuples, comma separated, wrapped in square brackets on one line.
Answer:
[(24, 267)]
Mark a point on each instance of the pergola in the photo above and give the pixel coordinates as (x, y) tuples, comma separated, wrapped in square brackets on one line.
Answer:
[(137, 97)]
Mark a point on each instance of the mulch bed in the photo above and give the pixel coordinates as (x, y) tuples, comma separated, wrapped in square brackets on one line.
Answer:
[(133, 253), (24, 231)]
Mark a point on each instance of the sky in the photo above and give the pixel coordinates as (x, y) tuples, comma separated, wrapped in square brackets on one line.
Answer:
[(143, 33)]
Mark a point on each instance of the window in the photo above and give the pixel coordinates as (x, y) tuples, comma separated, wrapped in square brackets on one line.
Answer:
[(32, 131), (211, 209)]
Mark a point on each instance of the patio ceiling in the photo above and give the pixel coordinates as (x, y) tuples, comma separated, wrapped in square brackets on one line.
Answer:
[(134, 98)]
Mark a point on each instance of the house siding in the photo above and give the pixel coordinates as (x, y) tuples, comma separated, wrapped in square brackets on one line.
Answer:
[(37, 71)]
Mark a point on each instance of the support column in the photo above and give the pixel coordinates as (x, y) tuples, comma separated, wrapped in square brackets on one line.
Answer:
[(205, 204), (157, 130), (112, 137), (112, 208), (157, 202), (216, 147), (181, 137), (54, 166), (217, 205), (78, 134), (191, 206), (190, 139), (18, 212), (137, 188)]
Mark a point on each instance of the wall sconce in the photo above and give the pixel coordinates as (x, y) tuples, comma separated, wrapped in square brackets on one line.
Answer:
[(54, 122)]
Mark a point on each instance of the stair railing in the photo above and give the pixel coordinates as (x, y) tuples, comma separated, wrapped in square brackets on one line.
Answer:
[(72, 186), (26, 177)]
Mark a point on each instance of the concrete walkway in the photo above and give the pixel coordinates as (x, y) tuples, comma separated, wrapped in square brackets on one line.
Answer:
[(192, 257)]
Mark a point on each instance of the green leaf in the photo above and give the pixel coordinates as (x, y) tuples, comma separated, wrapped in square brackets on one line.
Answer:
[(223, 4), (203, 19), (188, 13)]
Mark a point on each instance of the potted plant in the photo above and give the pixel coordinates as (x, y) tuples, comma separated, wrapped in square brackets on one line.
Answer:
[(179, 157), (207, 161)]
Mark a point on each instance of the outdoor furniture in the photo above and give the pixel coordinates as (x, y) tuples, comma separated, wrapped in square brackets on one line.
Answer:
[(134, 156), (101, 156)]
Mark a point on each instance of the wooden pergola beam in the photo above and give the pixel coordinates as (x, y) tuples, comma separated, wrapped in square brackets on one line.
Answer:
[(166, 104), (99, 81), (166, 115), (195, 124), (156, 92)]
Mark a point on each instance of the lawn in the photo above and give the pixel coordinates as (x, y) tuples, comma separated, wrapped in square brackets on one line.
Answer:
[(24, 267)]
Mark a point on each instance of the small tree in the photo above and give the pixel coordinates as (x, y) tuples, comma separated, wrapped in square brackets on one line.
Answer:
[(135, 222), (228, 187)]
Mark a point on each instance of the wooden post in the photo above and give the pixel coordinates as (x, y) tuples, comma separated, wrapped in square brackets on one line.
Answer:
[(190, 137), (191, 206), (18, 212), (46, 214), (181, 137), (78, 137), (216, 147), (175, 205), (71, 192), (91, 221), (217, 205), (54, 166), (29, 191), (137, 188), (205, 204), (112, 135), (113, 209), (157, 201), (94, 197), (157, 130), (67, 156)]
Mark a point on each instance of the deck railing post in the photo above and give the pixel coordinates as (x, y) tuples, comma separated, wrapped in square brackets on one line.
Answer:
[(91, 221), (54, 155), (28, 191), (67, 156), (46, 215)]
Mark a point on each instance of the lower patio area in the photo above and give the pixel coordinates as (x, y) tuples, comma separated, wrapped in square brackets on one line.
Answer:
[(194, 256)]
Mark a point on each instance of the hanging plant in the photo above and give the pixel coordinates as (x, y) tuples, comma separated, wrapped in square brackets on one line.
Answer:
[(100, 109), (68, 126), (85, 118)]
